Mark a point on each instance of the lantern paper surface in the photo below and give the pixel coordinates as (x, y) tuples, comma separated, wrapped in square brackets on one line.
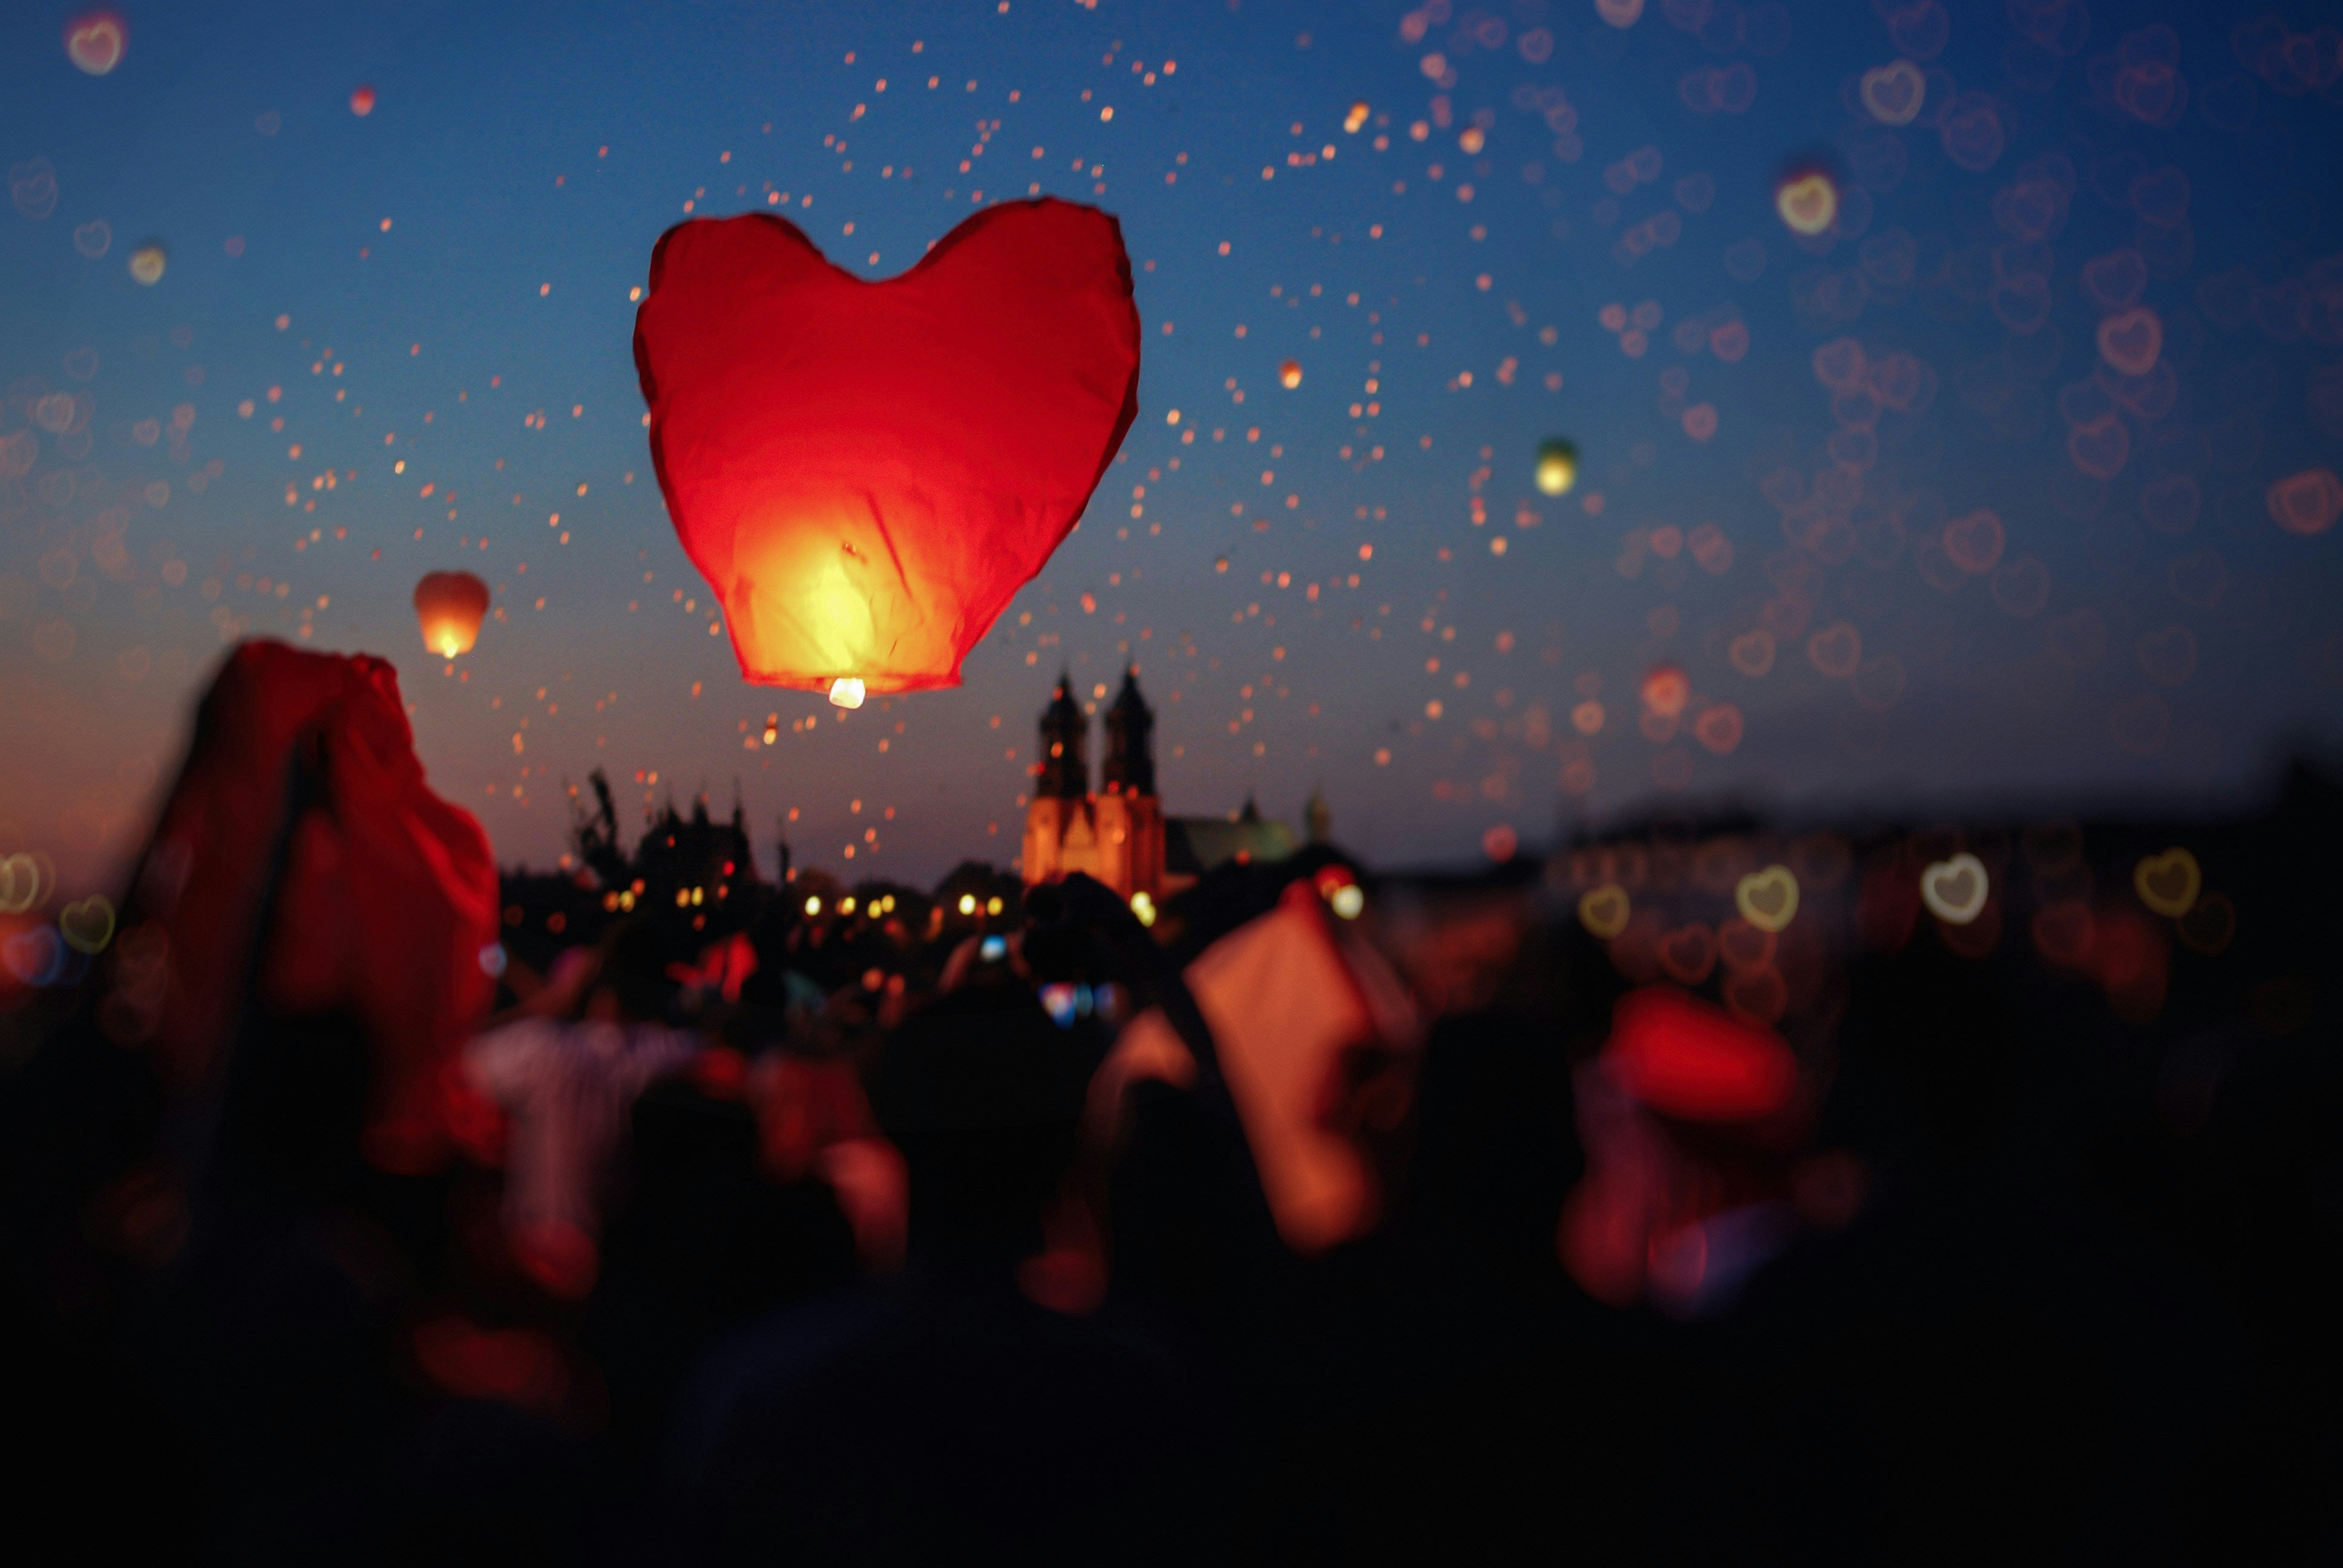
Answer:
[(1686, 1059), (867, 472), (1291, 1002), (448, 607), (387, 896)]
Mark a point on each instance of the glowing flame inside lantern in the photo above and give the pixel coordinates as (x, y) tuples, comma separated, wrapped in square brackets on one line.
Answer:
[(820, 606), (449, 607), (1557, 466)]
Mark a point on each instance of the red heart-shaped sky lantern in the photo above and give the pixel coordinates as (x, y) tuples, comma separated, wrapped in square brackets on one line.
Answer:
[(867, 472)]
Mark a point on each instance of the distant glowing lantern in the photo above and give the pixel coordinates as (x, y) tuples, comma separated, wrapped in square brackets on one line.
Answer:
[(448, 607), (362, 101), (1557, 466), (1289, 375), (1356, 117), (1665, 691), (147, 262), (867, 472), (1807, 200), (95, 43)]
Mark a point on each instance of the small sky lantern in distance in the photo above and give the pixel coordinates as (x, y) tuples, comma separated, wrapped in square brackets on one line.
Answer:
[(149, 261), (1356, 117), (362, 101), (448, 607), (867, 472), (1557, 465), (1289, 375), (1665, 691)]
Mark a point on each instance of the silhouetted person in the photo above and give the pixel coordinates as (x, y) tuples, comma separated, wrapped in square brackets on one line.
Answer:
[(943, 1415)]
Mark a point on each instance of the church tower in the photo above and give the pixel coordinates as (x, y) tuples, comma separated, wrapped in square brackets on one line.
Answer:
[(1116, 835), (1065, 770), (1130, 766), (1318, 818)]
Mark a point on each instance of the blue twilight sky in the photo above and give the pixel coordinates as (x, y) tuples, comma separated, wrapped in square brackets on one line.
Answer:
[(1553, 220)]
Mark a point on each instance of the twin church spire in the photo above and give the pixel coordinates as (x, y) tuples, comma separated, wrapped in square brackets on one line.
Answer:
[(1129, 765)]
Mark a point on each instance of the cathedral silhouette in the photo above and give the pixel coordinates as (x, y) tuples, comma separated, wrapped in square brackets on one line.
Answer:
[(1118, 833)]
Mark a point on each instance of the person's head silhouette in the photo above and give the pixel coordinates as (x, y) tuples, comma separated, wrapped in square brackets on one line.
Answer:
[(981, 1092)]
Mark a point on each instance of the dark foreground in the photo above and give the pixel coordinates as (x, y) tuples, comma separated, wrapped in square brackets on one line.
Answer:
[(864, 1257)]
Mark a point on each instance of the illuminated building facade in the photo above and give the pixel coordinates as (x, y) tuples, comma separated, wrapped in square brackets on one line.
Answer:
[(1114, 834), (1118, 833)]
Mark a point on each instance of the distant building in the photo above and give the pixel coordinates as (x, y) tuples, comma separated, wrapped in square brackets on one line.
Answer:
[(688, 862), (1118, 833), (1115, 834), (1194, 844), (1318, 818), (693, 860)]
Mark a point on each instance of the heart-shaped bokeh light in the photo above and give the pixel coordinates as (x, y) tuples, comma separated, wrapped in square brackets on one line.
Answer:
[(1604, 911), (1954, 889), (2168, 883), (1768, 899), (96, 43), (867, 472)]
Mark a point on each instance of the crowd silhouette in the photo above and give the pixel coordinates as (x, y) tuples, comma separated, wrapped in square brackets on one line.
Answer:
[(1439, 1230)]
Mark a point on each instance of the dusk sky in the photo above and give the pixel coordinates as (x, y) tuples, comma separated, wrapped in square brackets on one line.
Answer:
[(2012, 486)]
